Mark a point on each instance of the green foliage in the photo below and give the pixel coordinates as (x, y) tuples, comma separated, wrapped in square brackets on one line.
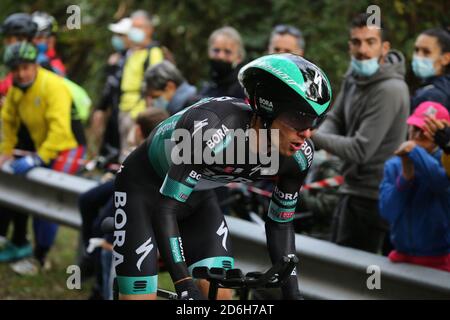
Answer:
[(184, 27)]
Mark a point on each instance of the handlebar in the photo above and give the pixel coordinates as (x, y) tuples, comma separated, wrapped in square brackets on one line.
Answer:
[(234, 278)]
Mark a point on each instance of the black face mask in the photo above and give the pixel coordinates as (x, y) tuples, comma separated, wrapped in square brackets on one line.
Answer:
[(220, 70), (23, 86)]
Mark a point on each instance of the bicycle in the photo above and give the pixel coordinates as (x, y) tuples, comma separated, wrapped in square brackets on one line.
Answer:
[(220, 278)]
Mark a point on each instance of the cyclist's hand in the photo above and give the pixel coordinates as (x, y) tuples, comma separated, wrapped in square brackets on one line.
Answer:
[(187, 290)]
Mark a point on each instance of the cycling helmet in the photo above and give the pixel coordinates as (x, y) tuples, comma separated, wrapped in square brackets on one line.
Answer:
[(19, 52), (287, 85), (46, 24), (19, 24)]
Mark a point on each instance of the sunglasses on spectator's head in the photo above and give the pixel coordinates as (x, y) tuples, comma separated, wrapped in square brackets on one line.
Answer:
[(283, 29)]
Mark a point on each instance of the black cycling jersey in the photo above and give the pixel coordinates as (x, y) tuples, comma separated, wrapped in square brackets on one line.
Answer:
[(210, 148)]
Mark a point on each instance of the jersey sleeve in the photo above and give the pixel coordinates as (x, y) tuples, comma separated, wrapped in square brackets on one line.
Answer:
[(292, 175), (188, 155)]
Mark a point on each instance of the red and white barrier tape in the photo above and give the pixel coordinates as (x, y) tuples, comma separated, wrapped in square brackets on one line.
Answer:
[(321, 184)]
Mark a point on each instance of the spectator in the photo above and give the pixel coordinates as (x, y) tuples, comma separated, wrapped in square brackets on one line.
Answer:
[(16, 27), (45, 41), (365, 126), (431, 63), (108, 106), (226, 53), (144, 52), (415, 196), (167, 88), (97, 204), (45, 105), (286, 39)]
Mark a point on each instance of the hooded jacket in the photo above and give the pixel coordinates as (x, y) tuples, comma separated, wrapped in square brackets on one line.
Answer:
[(435, 89), (366, 125), (418, 210)]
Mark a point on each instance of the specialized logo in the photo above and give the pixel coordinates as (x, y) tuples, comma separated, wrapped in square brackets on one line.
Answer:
[(144, 249), (217, 137), (223, 230), (199, 124), (255, 169)]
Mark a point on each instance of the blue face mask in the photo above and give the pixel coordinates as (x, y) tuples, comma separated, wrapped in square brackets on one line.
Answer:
[(42, 47), (160, 103), (423, 67), (136, 35), (117, 43), (365, 68)]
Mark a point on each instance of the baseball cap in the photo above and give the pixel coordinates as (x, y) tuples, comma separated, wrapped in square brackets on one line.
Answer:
[(428, 108), (121, 27)]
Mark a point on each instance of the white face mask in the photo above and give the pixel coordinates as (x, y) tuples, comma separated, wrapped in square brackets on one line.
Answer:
[(423, 67), (136, 35), (160, 103), (365, 68)]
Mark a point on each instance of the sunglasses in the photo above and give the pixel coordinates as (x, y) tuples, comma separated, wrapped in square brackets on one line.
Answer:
[(301, 121), (283, 29)]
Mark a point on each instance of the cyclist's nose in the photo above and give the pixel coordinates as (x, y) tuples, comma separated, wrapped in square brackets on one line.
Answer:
[(305, 134)]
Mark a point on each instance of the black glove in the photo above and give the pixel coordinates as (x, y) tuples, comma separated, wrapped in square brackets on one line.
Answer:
[(442, 139), (187, 290)]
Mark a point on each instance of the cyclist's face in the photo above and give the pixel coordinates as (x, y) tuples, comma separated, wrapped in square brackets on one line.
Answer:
[(428, 47), (24, 73), (284, 43), (366, 44), (225, 49), (290, 139)]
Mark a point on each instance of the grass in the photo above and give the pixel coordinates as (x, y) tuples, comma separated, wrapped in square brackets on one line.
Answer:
[(52, 284)]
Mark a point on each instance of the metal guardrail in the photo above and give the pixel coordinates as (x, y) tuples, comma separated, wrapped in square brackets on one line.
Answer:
[(326, 271)]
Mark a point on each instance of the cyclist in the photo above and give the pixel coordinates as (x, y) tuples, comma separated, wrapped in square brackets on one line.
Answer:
[(45, 41), (163, 203)]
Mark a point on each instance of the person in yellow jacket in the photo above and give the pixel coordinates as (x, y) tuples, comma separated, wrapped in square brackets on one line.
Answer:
[(40, 100), (143, 53)]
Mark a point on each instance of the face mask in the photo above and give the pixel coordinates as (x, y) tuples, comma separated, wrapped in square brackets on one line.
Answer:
[(219, 69), (117, 43), (365, 68), (423, 67), (42, 47), (136, 35), (160, 103)]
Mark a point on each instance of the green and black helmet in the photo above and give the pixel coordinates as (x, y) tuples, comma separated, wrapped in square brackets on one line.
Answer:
[(19, 52), (287, 85)]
